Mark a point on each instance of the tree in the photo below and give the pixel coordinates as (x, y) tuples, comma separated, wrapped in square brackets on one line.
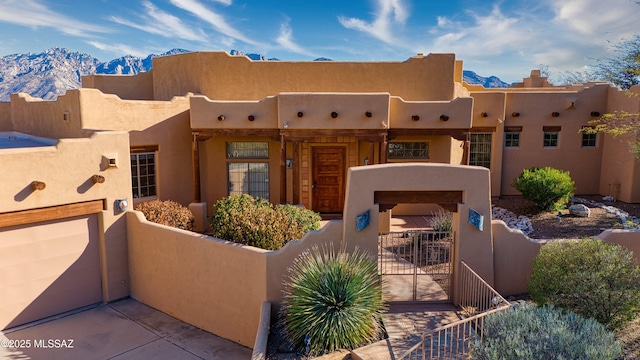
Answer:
[(623, 69), (617, 124)]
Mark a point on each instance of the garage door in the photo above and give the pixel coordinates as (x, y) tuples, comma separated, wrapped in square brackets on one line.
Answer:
[(47, 268)]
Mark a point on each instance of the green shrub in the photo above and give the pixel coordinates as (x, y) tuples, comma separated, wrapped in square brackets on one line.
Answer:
[(167, 212), (255, 221), (528, 332), (334, 299), (589, 277), (549, 188), (302, 220), (441, 220)]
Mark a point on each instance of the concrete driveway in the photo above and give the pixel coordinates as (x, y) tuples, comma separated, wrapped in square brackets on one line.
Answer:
[(125, 329)]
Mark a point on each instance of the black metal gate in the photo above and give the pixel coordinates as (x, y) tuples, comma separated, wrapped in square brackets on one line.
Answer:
[(416, 265)]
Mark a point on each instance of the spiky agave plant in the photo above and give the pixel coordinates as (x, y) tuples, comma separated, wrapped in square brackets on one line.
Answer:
[(332, 300)]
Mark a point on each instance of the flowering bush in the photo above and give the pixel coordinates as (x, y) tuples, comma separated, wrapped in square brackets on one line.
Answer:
[(167, 212)]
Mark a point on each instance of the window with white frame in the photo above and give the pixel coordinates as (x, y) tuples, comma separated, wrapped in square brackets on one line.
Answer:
[(246, 176), (512, 139), (550, 136), (480, 149), (408, 150), (143, 174), (512, 136)]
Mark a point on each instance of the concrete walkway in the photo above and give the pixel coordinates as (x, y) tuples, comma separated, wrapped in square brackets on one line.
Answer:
[(125, 329)]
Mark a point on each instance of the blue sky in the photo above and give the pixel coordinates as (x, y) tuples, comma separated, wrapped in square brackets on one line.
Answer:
[(505, 38)]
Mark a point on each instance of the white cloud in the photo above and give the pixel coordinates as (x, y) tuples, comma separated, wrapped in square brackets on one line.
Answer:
[(389, 14), (32, 13), (214, 19), (161, 23), (485, 35), (120, 49), (285, 40), (597, 19)]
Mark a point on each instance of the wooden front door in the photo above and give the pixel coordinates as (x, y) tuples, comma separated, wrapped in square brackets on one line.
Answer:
[(328, 179)]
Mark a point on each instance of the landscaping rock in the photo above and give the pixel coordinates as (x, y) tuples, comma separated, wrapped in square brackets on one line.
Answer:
[(580, 210), (513, 221)]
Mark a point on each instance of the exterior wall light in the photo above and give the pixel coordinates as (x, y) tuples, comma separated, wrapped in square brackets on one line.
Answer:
[(415, 117), (251, 117), (121, 205), (300, 114), (555, 114), (444, 117), (595, 113), (368, 114), (38, 185), (97, 179), (334, 114), (484, 114), (220, 117), (515, 114)]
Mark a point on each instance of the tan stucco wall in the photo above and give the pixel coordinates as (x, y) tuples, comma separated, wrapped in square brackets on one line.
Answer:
[(535, 112), (161, 123), (620, 170), (213, 284), (458, 110), (47, 118), (629, 239), (221, 76), (317, 109), (5, 117), (513, 258), (493, 104), (138, 87), (205, 113), (471, 245), (66, 169), (206, 282)]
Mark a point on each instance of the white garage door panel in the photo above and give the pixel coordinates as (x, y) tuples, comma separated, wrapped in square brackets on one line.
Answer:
[(48, 268)]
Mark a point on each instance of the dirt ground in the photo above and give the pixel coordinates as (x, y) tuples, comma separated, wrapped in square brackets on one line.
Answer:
[(547, 226)]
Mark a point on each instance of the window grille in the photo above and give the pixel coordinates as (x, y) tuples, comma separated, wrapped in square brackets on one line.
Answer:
[(512, 139), (408, 150), (480, 149), (143, 174), (248, 150)]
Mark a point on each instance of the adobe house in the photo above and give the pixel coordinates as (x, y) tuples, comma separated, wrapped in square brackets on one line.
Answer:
[(287, 131), (201, 126)]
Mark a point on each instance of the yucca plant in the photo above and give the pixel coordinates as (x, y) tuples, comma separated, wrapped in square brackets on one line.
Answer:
[(441, 220), (332, 300)]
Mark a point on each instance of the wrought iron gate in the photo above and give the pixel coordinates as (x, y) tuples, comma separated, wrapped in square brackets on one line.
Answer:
[(416, 265)]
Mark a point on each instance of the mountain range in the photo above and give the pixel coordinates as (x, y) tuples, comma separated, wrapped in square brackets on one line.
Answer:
[(52, 72)]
